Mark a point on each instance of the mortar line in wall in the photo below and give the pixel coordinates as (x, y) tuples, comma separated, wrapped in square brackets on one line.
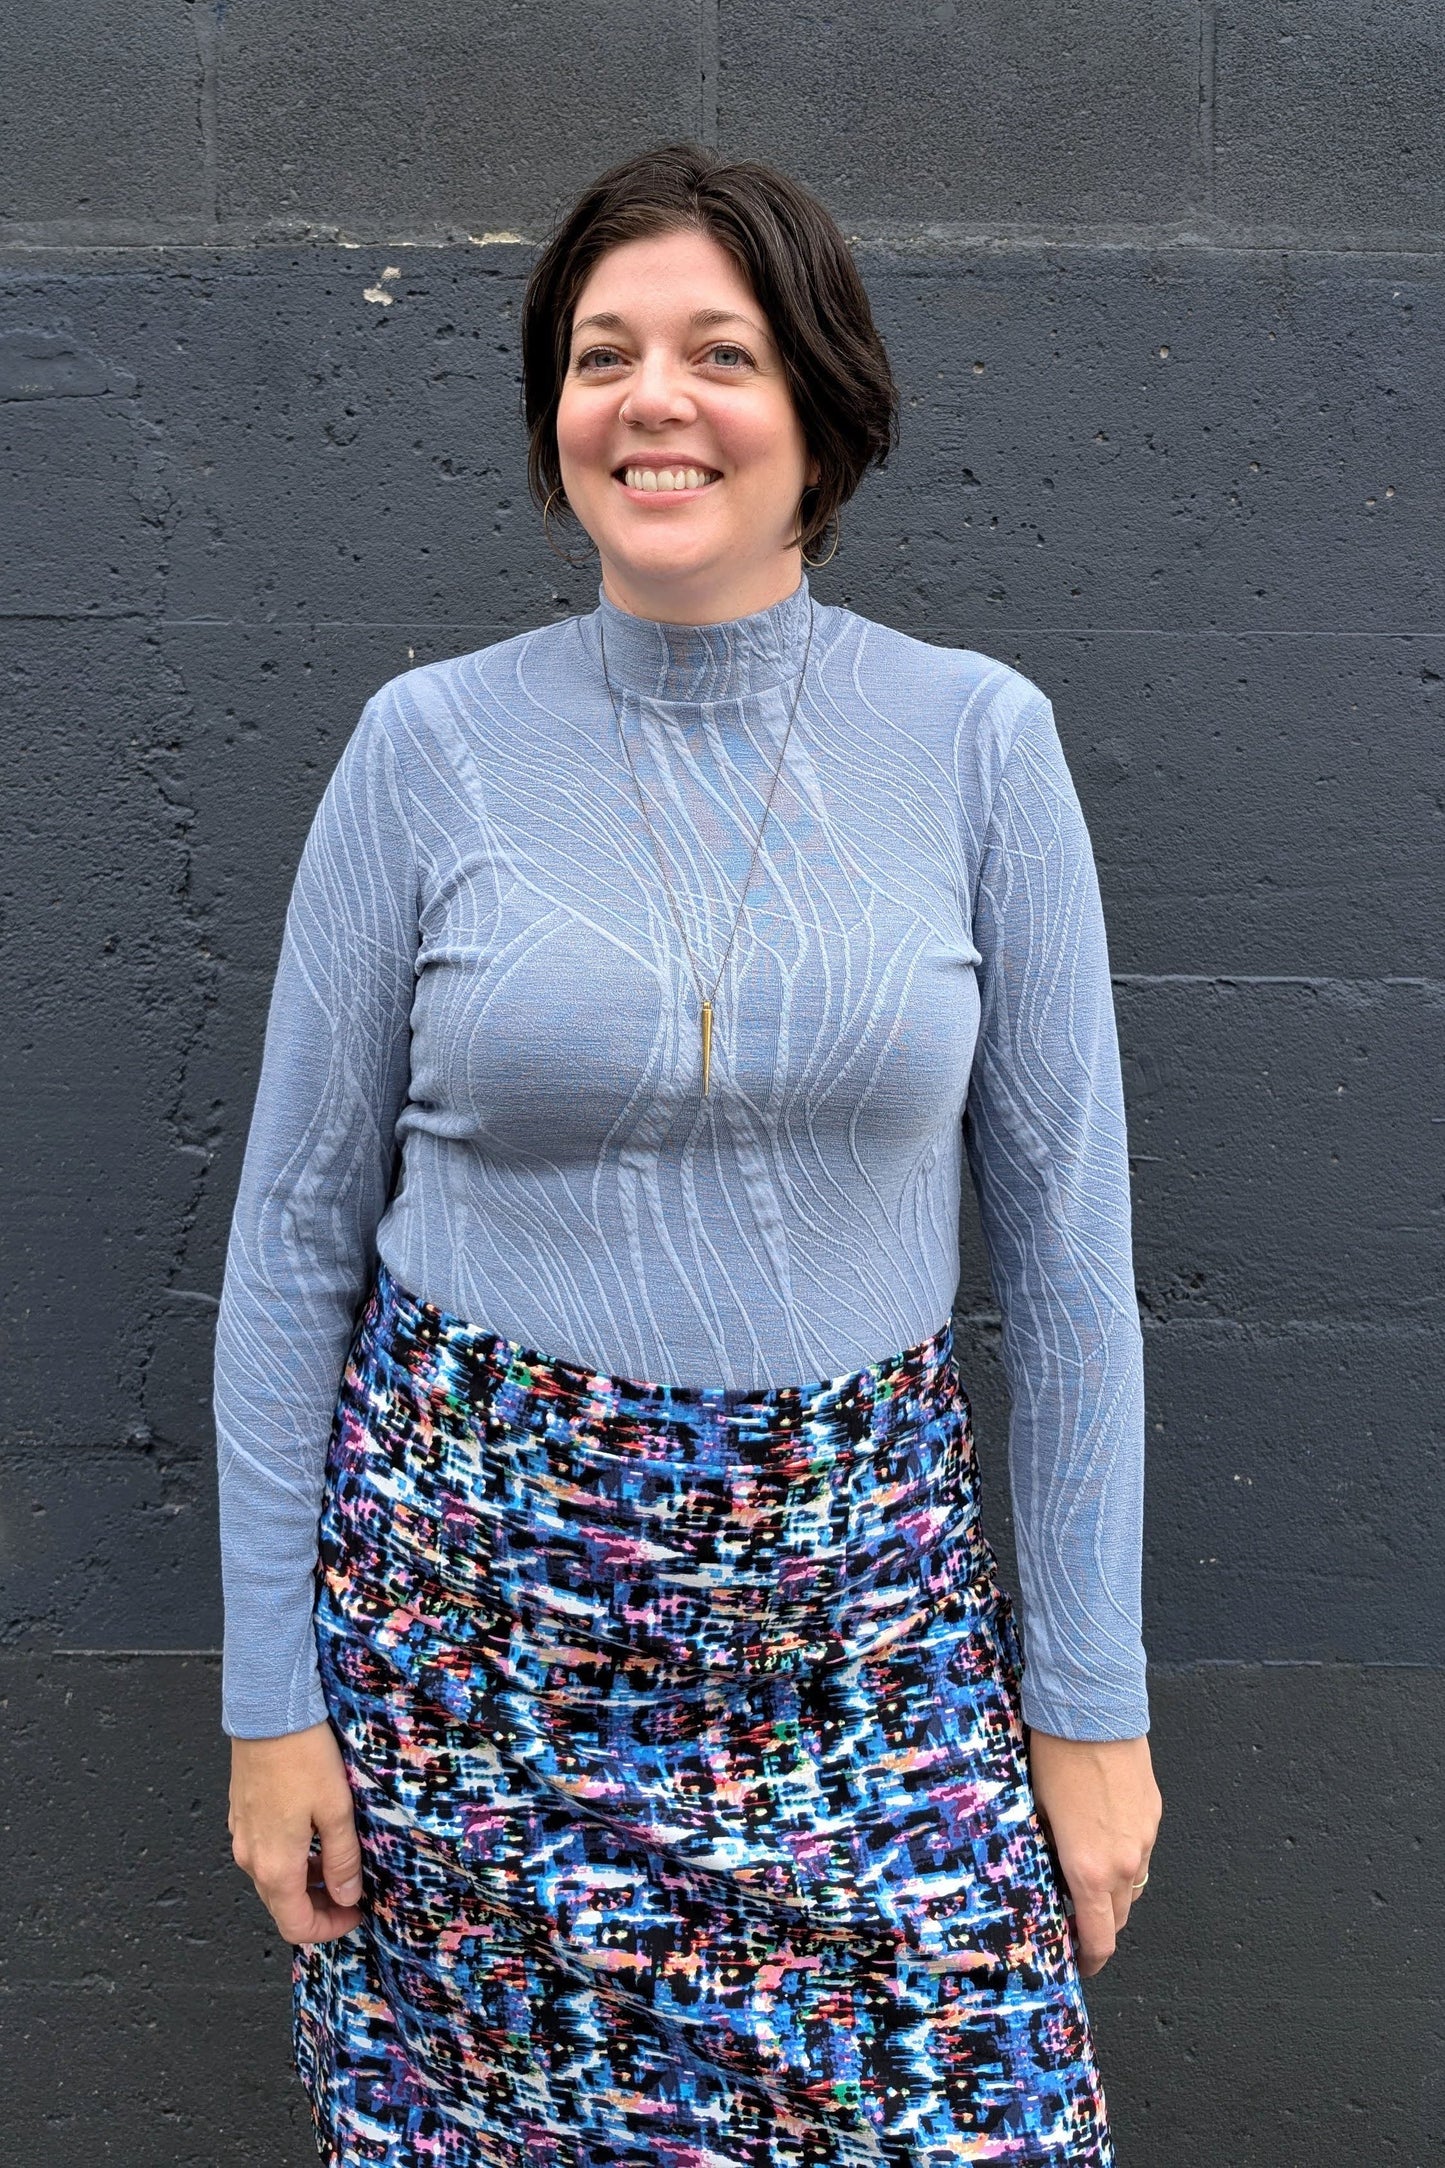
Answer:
[(1205, 114), (1198, 632), (206, 20), (707, 69), (1293, 1663), (994, 634), (1190, 632), (1268, 978), (20, 238), (122, 1652), (102, 1984), (483, 624)]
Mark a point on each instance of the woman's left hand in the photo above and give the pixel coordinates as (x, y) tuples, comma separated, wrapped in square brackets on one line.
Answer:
[(1100, 1808)]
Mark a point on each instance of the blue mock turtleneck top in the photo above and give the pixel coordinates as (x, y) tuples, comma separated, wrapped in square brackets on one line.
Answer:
[(482, 1063)]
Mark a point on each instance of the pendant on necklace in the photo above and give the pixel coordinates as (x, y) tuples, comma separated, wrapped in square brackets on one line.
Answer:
[(706, 1043)]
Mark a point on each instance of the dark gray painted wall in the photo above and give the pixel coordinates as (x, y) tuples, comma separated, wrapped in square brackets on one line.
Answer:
[(1163, 286)]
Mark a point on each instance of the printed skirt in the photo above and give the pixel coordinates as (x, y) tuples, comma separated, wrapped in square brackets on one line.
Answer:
[(683, 1729)]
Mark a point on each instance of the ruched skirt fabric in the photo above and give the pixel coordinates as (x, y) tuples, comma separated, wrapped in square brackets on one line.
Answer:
[(683, 1729)]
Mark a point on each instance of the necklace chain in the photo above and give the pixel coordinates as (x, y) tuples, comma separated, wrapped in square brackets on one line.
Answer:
[(705, 1000)]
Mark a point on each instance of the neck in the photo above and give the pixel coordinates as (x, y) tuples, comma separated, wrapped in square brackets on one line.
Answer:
[(706, 597), (687, 661)]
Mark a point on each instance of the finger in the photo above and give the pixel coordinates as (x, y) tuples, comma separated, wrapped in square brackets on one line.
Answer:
[(341, 1857), (325, 1919), (1129, 1892), (301, 1914), (1093, 1931), (1126, 1893), (325, 1922), (310, 1916)]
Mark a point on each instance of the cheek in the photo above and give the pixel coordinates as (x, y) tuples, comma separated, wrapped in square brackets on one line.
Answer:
[(583, 432), (762, 445)]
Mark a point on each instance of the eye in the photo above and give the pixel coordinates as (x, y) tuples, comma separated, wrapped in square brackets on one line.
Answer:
[(603, 356)]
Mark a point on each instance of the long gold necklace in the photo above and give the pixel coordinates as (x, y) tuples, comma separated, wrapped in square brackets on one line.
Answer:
[(705, 1000)]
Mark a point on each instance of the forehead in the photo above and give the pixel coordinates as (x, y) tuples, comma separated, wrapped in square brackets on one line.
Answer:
[(674, 281)]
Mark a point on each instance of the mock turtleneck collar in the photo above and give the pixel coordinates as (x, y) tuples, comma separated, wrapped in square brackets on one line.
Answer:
[(738, 655)]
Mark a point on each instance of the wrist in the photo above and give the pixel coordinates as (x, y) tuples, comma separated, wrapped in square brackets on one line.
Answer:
[(273, 1744), (1061, 1739)]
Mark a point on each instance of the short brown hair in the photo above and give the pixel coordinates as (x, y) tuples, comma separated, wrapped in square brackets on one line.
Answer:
[(790, 250)]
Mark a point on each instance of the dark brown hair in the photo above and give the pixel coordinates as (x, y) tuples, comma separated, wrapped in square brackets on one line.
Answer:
[(790, 251)]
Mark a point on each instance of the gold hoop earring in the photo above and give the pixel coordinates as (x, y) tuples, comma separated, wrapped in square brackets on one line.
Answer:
[(814, 562), (576, 564)]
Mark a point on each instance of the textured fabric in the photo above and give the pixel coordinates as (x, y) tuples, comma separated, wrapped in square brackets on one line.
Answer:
[(482, 1065), (683, 1728)]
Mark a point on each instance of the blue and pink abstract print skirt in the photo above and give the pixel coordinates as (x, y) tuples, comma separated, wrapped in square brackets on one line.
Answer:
[(683, 1728)]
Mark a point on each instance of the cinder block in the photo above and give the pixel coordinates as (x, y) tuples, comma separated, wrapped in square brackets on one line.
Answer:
[(985, 116), (110, 1547), (103, 115), (1276, 1995), (1264, 2080), (82, 530), (441, 116), (312, 455), (1327, 121), (110, 979), (1283, 1149), (1286, 1512), (115, 1802), (166, 2077), (1200, 441), (1302, 1809), (1285, 1518), (1260, 803), (1282, 1153)]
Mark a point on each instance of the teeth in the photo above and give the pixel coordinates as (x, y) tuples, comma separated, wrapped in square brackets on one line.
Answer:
[(667, 477)]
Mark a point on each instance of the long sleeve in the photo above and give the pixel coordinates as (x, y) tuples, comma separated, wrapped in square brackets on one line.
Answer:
[(315, 1178), (1044, 1131)]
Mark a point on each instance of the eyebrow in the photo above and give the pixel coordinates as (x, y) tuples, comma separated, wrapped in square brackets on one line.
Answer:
[(608, 322)]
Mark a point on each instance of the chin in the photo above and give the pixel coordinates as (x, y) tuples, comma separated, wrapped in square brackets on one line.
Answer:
[(663, 559)]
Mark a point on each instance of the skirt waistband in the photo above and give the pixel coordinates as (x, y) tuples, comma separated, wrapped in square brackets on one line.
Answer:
[(856, 1408)]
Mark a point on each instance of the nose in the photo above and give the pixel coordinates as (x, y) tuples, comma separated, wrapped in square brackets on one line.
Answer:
[(658, 393)]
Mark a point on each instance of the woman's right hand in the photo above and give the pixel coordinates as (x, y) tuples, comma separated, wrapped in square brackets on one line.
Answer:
[(281, 1790)]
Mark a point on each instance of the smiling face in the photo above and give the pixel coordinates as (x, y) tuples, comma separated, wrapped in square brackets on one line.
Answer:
[(673, 378)]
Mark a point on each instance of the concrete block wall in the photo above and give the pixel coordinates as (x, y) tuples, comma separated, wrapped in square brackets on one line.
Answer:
[(1164, 289)]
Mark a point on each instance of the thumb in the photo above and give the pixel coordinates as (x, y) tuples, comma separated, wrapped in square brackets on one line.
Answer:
[(341, 1857)]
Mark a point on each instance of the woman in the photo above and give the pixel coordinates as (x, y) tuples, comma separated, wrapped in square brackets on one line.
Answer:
[(638, 1756)]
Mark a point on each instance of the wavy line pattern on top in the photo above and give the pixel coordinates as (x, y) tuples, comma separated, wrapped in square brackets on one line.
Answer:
[(482, 1064)]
